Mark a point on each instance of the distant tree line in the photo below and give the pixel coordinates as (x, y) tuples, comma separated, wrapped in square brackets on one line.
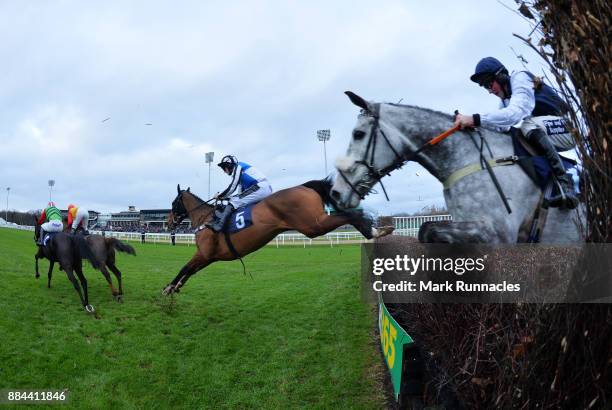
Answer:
[(20, 218)]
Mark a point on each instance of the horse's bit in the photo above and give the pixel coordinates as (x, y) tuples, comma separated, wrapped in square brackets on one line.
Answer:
[(373, 173)]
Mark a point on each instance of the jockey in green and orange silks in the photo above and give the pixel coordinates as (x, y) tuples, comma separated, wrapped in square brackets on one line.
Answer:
[(78, 217)]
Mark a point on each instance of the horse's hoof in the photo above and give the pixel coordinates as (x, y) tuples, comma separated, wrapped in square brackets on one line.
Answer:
[(37, 276), (118, 298), (168, 290), (90, 309), (384, 231)]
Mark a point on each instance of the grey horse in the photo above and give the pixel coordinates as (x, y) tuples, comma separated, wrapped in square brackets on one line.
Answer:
[(386, 135)]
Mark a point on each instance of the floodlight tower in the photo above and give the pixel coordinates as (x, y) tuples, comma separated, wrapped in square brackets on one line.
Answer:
[(51, 185), (8, 189), (209, 159), (324, 135)]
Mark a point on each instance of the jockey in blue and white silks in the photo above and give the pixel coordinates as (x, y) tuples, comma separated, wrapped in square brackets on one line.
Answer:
[(249, 185), (534, 107)]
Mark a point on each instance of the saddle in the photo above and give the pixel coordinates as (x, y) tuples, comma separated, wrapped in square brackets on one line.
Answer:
[(240, 219), (536, 166), (48, 237)]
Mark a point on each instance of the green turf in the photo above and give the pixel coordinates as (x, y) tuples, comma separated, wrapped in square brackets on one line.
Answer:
[(297, 335)]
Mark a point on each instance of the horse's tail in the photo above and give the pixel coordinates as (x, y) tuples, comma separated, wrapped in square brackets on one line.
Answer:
[(85, 251), (114, 243), (323, 188)]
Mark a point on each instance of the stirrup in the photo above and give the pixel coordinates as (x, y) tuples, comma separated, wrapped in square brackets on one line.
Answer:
[(214, 225), (566, 198)]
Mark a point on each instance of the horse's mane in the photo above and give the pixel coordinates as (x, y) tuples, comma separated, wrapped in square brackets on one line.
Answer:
[(443, 114), (198, 198), (323, 188)]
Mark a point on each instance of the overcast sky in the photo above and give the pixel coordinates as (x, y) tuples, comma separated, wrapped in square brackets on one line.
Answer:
[(118, 101)]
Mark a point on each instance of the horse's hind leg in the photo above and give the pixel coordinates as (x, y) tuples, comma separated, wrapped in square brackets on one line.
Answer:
[(109, 280), (117, 273)]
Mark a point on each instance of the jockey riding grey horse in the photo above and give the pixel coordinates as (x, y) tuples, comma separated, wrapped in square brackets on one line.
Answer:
[(386, 135), (534, 107)]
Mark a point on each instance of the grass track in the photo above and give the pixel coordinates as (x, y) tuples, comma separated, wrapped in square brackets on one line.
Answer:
[(297, 335)]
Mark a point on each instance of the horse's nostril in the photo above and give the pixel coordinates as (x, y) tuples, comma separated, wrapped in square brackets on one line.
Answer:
[(335, 194)]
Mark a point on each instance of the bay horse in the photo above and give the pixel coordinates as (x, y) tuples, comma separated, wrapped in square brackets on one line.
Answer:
[(388, 135), (300, 208), (103, 250), (67, 250)]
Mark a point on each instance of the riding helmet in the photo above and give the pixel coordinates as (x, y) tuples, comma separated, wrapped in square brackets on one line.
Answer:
[(228, 161), (486, 67)]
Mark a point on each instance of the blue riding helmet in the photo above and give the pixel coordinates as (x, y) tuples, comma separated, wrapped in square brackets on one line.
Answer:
[(488, 66)]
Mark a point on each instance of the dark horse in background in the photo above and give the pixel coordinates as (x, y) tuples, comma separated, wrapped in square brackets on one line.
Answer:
[(104, 251), (300, 208), (67, 250)]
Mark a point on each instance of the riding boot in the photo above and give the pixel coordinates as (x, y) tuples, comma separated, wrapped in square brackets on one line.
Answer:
[(220, 218), (41, 237), (566, 197)]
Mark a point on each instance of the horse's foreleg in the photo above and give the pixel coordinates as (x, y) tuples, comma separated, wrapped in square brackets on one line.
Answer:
[(75, 283), (79, 272), (36, 265), (320, 224), (326, 223), (49, 274), (458, 232), (194, 265)]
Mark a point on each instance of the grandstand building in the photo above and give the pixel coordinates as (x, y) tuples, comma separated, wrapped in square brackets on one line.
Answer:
[(132, 220), (128, 221), (155, 219)]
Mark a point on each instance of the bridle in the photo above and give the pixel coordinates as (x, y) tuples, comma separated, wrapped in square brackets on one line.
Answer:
[(179, 214), (368, 157)]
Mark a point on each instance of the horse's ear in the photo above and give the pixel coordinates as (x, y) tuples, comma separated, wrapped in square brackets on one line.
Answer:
[(188, 189), (178, 188), (357, 100)]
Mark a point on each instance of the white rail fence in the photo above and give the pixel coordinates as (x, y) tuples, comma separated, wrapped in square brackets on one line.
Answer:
[(410, 225), (295, 239), (404, 226)]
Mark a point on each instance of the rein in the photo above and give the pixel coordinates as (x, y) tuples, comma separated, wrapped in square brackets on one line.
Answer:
[(185, 214), (399, 159)]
